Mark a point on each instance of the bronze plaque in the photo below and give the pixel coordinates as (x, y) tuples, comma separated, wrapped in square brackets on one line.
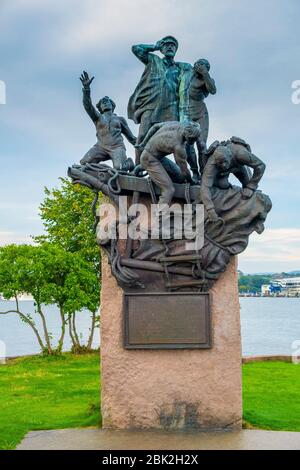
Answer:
[(167, 321)]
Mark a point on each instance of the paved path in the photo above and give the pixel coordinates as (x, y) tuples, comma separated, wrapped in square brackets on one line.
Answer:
[(99, 439)]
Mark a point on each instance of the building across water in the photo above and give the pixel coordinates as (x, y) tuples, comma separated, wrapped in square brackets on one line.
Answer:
[(287, 287)]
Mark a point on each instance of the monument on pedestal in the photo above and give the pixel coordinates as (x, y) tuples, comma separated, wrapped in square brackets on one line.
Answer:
[(170, 331)]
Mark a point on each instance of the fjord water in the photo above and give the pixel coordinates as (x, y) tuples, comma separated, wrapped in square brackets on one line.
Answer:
[(19, 338), (268, 326)]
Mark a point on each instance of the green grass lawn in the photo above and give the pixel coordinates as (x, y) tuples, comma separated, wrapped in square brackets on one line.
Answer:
[(271, 395), (63, 392), (48, 393)]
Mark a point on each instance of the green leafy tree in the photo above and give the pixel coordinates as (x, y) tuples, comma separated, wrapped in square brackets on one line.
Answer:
[(52, 276), (63, 268), (14, 261), (252, 282), (68, 219)]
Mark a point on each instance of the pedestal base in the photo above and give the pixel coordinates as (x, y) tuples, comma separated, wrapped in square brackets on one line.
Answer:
[(172, 389)]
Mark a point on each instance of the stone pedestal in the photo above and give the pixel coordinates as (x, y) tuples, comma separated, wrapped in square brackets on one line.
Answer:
[(172, 389)]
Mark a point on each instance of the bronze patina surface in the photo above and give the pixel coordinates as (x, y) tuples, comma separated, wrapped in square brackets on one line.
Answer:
[(167, 321), (212, 219)]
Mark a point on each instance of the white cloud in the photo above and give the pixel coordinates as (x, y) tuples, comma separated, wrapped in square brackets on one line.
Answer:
[(274, 250), (102, 25), (7, 238)]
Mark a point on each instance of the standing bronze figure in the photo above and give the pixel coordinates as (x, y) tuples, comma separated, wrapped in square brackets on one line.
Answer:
[(156, 97), (200, 85)]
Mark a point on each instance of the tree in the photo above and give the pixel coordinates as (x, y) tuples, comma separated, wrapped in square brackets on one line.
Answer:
[(68, 219), (66, 213), (253, 282), (52, 276), (14, 261), (63, 268)]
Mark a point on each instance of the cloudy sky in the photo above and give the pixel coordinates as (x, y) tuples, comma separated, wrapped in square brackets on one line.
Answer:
[(254, 50)]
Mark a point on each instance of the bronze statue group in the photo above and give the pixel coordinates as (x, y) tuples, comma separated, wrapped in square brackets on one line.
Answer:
[(169, 106)]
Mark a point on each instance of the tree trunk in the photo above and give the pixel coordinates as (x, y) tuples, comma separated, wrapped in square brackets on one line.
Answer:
[(74, 329), (92, 331), (71, 332), (63, 330), (28, 321), (45, 328)]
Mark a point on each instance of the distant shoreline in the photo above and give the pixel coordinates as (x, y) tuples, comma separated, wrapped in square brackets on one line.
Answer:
[(255, 296)]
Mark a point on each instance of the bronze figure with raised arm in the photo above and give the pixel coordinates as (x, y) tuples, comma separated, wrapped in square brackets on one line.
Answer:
[(110, 130)]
